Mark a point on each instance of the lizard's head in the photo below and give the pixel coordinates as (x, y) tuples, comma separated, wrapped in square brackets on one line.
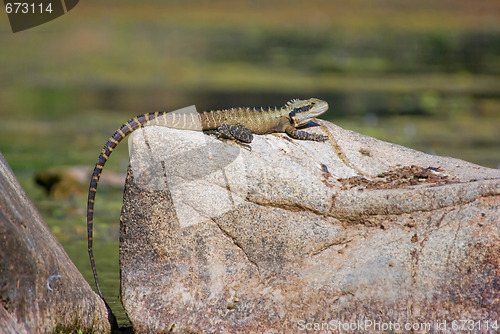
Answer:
[(303, 111)]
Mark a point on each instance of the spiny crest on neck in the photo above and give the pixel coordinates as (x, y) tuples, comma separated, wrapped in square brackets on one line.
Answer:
[(296, 105)]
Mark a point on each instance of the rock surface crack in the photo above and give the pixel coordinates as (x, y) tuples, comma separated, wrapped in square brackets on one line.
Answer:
[(236, 243)]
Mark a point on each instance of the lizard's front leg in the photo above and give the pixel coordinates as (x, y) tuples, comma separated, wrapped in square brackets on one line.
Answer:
[(237, 131), (303, 135)]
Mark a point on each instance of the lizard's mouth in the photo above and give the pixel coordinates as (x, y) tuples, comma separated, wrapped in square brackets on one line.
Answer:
[(318, 107)]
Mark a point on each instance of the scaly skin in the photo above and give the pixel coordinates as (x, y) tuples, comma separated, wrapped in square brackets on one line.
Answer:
[(235, 123)]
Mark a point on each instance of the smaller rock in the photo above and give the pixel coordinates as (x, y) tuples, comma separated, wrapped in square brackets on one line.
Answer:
[(41, 290)]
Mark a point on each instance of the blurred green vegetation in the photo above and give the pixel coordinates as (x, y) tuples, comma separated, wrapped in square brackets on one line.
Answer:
[(424, 74)]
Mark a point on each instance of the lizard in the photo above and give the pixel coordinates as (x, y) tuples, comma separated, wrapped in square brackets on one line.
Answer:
[(235, 123)]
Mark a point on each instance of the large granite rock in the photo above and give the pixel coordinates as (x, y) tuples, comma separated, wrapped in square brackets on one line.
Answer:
[(41, 290), (287, 236)]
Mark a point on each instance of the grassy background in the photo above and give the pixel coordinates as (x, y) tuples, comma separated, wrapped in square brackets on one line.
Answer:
[(424, 74)]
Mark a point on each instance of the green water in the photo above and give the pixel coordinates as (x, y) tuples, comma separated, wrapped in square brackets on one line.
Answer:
[(106, 253)]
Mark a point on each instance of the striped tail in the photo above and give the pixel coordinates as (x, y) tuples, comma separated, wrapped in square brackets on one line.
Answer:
[(186, 119), (127, 128)]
